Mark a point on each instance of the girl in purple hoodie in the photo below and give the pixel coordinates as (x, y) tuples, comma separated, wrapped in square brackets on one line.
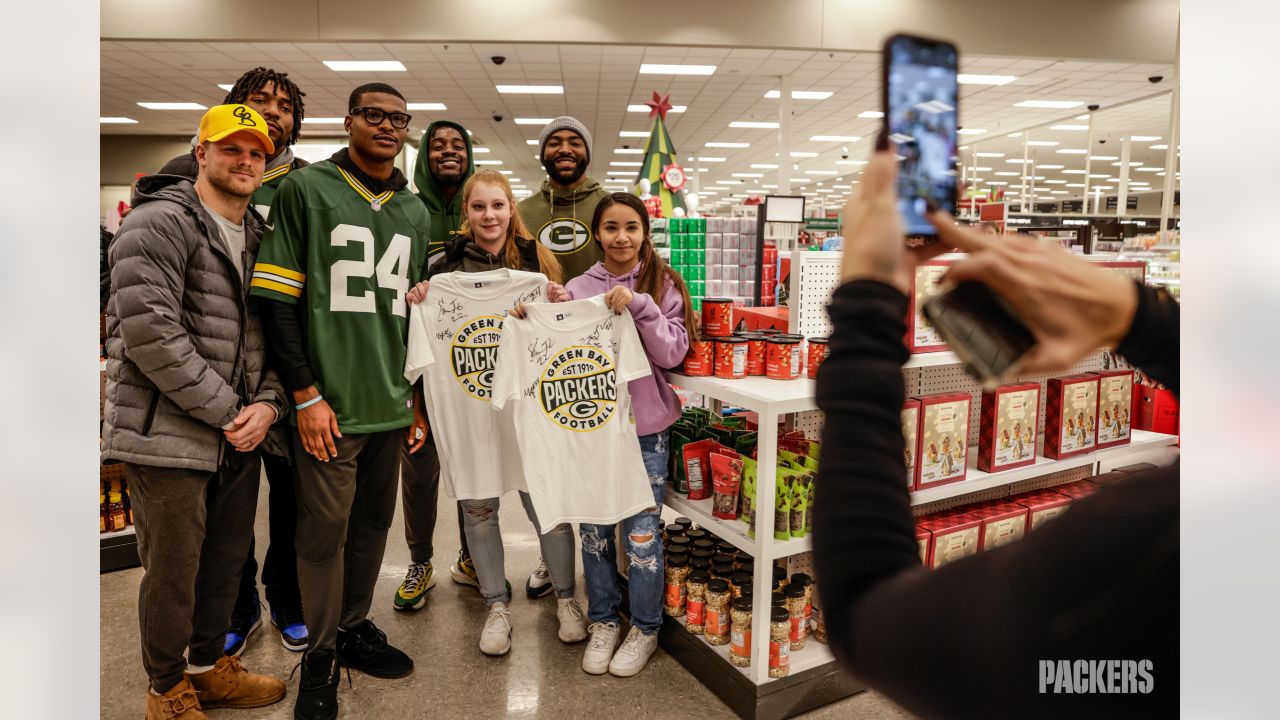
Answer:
[(633, 278)]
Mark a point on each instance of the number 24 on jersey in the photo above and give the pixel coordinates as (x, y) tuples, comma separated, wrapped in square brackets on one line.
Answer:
[(392, 271)]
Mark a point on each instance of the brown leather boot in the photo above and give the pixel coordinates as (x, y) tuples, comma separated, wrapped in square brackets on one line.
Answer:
[(180, 703), (229, 685)]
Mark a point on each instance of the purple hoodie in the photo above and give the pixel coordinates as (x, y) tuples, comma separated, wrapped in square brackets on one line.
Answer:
[(663, 334)]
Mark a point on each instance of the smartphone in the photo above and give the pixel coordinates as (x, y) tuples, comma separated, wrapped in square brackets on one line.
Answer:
[(981, 329), (921, 91)]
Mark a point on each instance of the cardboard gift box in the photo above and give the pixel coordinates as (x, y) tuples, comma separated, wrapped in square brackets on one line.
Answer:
[(955, 535), (922, 336), (944, 439), (1071, 416), (1002, 523), (1077, 490), (1042, 506), (1007, 427), (1155, 410), (923, 537), (911, 437), (1115, 407)]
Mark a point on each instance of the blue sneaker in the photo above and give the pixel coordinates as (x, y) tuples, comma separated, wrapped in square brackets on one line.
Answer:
[(242, 626), (293, 631)]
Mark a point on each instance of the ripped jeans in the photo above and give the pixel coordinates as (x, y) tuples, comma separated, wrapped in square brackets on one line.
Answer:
[(643, 545)]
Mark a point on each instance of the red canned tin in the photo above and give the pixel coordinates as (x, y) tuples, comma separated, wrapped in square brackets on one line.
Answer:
[(731, 357), (755, 352), (700, 360), (783, 361), (818, 349), (717, 317)]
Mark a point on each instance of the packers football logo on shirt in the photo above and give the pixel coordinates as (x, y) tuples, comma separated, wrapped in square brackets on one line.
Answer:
[(474, 354), (564, 235), (578, 389)]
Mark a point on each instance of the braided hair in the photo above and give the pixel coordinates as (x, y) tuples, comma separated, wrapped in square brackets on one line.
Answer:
[(258, 78)]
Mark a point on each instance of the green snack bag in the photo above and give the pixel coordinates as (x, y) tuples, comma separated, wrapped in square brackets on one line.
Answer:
[(701, 416), (745, 443), (810, 465), (808, 517), (724, 436), (782, 506), (815, 449), (734, 422), (679, 477), (788, 456), (800, 505), (747, 496)]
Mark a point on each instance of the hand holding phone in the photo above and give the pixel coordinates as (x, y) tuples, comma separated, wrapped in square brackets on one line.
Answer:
[(921, 93), (986, 335)]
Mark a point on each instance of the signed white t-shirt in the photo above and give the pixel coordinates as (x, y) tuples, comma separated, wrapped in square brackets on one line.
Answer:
[(453, 345), (565, 369)]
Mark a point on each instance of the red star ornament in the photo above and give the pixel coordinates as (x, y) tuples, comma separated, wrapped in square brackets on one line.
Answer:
[(659, 105)]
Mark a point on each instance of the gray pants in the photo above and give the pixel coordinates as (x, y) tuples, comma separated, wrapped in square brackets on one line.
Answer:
[(484, 536), (420, 488), (345, 508), (194, 529)]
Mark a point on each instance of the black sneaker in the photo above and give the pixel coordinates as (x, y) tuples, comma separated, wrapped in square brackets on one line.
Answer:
[(365, 648), (318, 688)]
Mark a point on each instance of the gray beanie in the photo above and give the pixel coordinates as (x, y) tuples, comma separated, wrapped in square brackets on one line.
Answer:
[(564, 122)]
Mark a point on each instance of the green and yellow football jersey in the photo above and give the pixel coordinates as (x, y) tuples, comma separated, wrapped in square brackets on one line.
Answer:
[(349, 256)]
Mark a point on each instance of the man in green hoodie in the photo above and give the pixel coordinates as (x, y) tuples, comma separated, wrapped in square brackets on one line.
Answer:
[(559, 214), (443, 166)]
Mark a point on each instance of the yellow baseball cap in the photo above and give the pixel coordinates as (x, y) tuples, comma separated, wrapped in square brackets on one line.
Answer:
[(223, 121)]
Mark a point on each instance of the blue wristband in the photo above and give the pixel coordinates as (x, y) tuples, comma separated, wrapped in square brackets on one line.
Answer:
[(309, 403)]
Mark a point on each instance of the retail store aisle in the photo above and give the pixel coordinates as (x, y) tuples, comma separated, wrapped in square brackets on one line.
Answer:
[(540, 678)]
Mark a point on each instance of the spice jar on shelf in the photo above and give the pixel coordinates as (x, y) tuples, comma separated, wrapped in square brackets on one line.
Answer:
[(716, 627), (740, 643), (736, 581), (780, 575), (677, 571), (722, 570), (795, 609), (779, 643), (806, 582), (696, 602), (699, 565), (704, 544)]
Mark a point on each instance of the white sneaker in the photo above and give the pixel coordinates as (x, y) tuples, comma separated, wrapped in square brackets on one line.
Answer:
[(604, 636), (495, 638), (634, 653), (573, 628), (539, 582)]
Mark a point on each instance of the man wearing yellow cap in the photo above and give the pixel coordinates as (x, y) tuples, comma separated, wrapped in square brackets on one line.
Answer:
[(189, 400)]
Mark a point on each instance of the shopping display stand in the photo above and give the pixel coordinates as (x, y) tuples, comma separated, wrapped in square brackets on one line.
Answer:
[(815, 678), (117, 550)]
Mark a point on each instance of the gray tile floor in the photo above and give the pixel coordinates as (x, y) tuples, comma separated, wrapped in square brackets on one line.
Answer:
[(540, 678)]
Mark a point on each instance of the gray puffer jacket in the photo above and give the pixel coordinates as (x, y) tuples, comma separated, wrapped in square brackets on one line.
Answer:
[(184, 350)]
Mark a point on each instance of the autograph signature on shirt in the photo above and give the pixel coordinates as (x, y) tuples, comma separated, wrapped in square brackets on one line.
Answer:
[(540, 351), (450, 308), (594, 337), (445, 334), (530, 296)]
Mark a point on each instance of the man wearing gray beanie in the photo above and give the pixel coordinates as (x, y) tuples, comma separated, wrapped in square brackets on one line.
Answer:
[(559, 214)]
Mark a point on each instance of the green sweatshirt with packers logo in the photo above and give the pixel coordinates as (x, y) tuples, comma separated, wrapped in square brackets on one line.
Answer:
[(446, 215), (561, 220)]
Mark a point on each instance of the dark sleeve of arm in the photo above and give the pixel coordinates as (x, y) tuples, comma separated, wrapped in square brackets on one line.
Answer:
[(283, 328), (1153, 340)]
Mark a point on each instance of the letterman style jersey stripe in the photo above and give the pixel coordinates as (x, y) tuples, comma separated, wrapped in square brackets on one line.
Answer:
[(349, 265)]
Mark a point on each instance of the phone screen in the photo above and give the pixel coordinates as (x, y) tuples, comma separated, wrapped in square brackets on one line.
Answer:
[(920, 114)]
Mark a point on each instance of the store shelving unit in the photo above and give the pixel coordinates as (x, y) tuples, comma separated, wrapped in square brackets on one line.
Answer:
[(815, 678)]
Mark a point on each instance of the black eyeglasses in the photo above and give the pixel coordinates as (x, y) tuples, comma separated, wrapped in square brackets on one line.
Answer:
[(375, 116)]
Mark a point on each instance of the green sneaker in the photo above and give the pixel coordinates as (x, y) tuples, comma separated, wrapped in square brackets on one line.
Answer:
[(412, 593)]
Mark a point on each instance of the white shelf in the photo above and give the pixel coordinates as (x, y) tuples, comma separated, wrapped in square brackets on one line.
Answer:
[(755, 393), (735, 531), (1164, 281), (814, 654), (976, 480), (118, 533), (931, 359)]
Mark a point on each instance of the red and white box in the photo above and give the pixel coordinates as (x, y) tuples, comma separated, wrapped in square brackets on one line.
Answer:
[(955, 535), (1002, 523), (1071, 416), (944, 438), (1115, 408), (1042, 506), (911, 436), (923, 537), (922, 336), (1077, 490), (1007, 427)]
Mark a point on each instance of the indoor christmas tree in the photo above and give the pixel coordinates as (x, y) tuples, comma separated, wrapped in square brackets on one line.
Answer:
[(660, 168)]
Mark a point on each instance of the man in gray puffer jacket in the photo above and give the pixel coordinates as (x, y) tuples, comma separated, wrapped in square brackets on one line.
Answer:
[(189, 399)]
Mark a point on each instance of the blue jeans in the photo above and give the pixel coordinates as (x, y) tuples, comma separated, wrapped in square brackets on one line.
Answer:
[(646, 575)]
